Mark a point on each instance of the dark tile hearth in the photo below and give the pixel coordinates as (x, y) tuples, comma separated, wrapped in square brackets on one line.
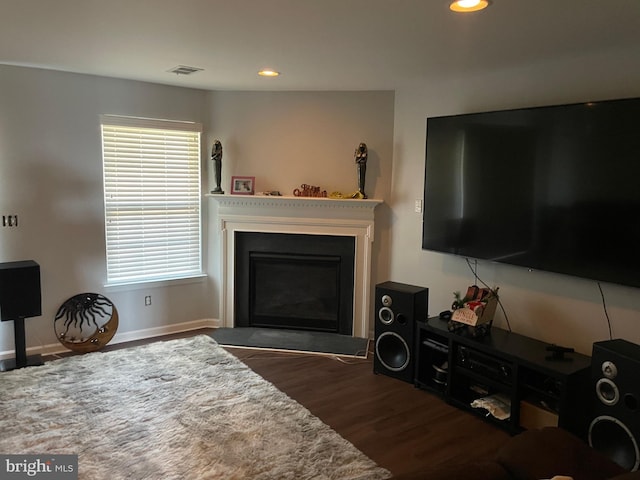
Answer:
[(293, 340)]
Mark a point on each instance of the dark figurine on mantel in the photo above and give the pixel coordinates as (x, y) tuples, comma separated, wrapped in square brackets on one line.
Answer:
[(216, 158), (361, 155)]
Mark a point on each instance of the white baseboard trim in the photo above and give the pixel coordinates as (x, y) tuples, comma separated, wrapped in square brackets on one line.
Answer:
[(56, 348)]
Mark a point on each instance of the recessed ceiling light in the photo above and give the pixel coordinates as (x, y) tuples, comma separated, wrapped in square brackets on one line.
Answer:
[(468, 5), (267, 72)]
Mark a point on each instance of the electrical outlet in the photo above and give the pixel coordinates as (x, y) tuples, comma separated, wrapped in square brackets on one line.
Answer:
[(418, 206), (10, 220), (147, 300)]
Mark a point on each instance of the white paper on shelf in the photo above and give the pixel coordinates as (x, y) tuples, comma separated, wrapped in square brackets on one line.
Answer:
[(498, 405)]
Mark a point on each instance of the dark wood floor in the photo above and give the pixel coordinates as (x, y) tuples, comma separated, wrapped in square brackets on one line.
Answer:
[(401, 428)]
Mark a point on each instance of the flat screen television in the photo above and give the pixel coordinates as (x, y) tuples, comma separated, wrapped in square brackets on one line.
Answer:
[(552, 188)]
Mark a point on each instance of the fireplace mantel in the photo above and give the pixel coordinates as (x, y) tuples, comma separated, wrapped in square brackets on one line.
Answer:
[(298, 215)]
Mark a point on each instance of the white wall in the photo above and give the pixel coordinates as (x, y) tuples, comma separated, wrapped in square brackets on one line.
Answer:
[(285, 139), (550, 307), (51, 177)]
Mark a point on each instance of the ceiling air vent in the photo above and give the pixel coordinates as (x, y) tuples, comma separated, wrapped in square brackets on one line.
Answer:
[(184, 70)]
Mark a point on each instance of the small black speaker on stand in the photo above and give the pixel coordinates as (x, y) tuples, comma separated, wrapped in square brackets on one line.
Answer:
[(398, 306), (20, 298), (615, 428)]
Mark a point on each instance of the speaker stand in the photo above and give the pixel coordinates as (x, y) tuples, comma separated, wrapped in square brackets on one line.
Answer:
[(21, 360)]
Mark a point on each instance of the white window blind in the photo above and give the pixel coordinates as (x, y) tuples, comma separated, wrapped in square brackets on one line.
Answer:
[(152, 199)]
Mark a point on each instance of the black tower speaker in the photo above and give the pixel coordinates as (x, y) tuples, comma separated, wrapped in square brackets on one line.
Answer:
[(20, 298), (398, 306), (615, 427)]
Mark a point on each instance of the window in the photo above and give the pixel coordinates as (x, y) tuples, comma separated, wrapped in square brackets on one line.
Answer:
[(152, 199)]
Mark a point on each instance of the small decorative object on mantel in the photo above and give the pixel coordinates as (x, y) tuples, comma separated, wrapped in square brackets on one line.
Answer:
[(242, 185), (270, 193), (309, 191), (340, 195), (361, 154), (475, 311), (216, 158), (86, 322)]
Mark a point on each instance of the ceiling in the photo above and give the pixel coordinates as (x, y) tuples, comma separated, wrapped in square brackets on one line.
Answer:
[(316, 44)]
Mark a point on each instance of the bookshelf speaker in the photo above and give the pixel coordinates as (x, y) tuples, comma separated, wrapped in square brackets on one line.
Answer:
[(397, 307), (20, 298), (615, 426)]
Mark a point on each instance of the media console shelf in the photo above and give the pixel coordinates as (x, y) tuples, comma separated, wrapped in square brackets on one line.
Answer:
[(536, 390)]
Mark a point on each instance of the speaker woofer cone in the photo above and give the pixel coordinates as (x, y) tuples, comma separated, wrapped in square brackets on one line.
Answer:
[(392, 351), (613, 438)]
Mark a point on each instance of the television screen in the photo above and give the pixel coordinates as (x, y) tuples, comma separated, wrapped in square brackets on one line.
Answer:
[(549, 188)]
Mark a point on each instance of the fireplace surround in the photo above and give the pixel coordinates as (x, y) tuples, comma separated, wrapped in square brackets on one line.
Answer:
[(352, 218)]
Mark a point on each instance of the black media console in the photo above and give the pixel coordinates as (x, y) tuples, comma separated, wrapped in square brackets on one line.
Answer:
[(539, 390)]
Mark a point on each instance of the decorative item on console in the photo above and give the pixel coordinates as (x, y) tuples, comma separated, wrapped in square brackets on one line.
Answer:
[(475, 311), (309, 191), (216, 158)]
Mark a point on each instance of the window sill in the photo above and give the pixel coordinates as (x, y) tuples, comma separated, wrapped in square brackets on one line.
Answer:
[(145, 284)]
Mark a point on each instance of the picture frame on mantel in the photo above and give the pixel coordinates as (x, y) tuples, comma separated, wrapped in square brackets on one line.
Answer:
[(243, 185)]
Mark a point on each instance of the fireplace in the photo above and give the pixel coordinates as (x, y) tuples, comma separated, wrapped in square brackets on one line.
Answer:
[(294, 281), (343, 218)]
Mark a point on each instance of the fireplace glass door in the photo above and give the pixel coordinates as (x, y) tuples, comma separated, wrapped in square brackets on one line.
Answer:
[(299, 291), (294, 281)]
